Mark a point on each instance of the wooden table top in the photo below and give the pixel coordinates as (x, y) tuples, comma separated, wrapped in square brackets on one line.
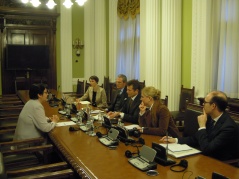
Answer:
[(91, 159)]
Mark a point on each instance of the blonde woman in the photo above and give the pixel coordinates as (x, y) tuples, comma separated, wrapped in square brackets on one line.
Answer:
[(154, 117)]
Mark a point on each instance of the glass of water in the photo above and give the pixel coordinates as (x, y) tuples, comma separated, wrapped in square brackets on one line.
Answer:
[(91, 129), (79, 118), (100, 118), (88, 126)]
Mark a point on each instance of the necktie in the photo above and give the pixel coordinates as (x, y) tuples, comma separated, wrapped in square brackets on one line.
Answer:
[(210, 125), (130, 102)]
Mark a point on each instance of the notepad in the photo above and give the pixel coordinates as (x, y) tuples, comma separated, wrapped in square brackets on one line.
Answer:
[(178, 147), (179, 152), (96, 111), (68, 123)]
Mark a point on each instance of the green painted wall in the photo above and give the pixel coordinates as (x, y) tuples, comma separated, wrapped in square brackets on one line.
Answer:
[(186, 42), (77, 32)]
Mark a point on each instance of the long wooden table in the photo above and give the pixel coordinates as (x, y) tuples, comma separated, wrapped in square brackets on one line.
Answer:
[(91, 159)]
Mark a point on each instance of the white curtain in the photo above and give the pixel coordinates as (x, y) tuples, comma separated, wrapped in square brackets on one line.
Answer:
[(128, 51), (225, 46)]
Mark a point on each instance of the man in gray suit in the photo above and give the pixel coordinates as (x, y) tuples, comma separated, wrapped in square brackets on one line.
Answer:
[(32, 122), (120, 95)]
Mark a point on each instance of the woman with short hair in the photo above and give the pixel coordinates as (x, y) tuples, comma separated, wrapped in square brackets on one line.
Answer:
[(95, 94), (32, 122)]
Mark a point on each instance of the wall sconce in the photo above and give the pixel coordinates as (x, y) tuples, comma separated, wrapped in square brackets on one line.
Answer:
[(77, 44)]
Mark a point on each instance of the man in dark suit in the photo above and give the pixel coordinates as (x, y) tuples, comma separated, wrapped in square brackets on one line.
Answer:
[(120, 94), (217, 133), (130, 110)]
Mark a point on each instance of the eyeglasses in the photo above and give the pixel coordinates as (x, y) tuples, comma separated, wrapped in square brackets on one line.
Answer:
[(204, 102)]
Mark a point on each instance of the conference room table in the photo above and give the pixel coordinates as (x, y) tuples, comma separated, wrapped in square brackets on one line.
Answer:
[(91, 159)]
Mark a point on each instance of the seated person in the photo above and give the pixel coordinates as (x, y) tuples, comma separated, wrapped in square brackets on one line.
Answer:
[(95, 94), (217, 131), (32, 122), (130, 110), (154, 117), (120, 94)]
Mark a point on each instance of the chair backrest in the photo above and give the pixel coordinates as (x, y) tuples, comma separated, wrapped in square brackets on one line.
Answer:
[(142, 84), (113, 89), (80, 87), (165, 101), (186, 95), (190, 119), (21, 83), (107, 87)]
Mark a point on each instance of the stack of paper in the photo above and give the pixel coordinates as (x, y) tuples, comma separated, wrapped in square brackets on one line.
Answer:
[(180, 150), (179, 147), (68, 123)]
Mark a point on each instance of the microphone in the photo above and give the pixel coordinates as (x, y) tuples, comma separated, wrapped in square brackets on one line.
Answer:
[(167, 145), (162, 154)]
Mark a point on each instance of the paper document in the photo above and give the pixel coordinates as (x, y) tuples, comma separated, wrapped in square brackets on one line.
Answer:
[(179, 147), (180, 152), (68, 123), (96, 111)]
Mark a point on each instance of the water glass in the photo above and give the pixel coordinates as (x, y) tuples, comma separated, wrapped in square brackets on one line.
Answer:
[(100, 118), (88, 126), (79, 117), (91, 131), (67, 109), (120, 123)]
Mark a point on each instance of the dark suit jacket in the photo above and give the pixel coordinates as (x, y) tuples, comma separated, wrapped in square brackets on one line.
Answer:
[(131, 114), (123, 96), (220, 143)]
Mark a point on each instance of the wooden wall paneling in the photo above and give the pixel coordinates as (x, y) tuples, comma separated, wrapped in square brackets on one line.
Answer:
[(20, 25)]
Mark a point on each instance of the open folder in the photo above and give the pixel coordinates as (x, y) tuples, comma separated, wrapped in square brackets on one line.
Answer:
[(179, 150)]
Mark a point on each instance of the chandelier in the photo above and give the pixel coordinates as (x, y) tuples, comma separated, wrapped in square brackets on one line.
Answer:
[(51, 4)]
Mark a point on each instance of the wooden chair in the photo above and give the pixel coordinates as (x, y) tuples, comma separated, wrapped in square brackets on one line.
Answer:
[(142, 84), (10, 100), (80, 90), (107, 88), (26, 167), (235, 162), (165, 101), (10, 111), (113, 90), (26, 155), (21, 83), (186, 96)]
